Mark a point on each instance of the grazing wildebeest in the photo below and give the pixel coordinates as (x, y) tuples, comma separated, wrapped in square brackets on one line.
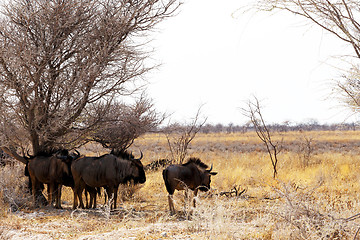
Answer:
[(192, 175), (106, 171), (53, 169)]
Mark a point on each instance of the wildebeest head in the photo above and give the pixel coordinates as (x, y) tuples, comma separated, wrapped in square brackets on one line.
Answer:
[(205, 175), (67, 158), (206, 179), (64, 155), (137, 173)]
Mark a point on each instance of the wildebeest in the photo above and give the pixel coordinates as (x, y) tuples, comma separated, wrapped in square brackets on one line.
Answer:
[(106, 171), (192, 175), (53, 169)]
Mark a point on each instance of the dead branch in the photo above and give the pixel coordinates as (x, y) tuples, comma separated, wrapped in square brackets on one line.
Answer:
[(234, 192)]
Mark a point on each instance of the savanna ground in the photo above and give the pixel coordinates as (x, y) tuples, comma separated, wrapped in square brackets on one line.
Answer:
[(315, 196)]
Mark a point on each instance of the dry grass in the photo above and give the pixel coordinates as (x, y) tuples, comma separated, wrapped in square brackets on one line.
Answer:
[(311, 199)]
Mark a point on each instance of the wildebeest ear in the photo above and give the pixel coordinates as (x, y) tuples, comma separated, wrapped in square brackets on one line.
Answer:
[(213, 173)]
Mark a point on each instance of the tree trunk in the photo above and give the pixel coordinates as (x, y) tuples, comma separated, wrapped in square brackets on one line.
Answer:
[(14, 155)]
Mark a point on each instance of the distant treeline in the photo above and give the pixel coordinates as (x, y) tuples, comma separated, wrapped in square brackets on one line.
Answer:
[(248, 127), (285, 127)]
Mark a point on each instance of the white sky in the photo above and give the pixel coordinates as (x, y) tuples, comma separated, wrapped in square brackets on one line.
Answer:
[(212, 54)]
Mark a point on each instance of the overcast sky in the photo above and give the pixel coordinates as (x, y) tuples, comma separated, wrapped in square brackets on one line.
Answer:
[(213, 55)]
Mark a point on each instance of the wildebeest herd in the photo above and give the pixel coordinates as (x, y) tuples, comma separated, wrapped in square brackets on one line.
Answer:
[(60, 167)]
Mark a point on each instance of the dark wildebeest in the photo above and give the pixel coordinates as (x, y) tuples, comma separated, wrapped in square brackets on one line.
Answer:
[(53, 169), (192, 175), (106, 171)]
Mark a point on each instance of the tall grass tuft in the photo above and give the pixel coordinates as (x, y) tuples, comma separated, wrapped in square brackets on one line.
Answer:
[(14, 193)]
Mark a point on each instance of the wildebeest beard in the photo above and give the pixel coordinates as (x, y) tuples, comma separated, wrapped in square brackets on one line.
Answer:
[(135, 180), (140, 179)]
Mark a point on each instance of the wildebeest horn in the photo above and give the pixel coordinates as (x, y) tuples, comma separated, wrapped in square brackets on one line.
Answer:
[(77, 154), (210, 168), (141, 156), (30, 156)]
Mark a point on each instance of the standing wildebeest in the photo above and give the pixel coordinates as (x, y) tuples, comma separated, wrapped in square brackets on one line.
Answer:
[(53, 169), (192, 175), (106, 171)]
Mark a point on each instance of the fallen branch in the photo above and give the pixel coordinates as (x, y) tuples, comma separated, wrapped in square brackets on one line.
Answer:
[(235, 191)]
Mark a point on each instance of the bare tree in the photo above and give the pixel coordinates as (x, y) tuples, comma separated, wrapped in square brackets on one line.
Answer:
[(350, 89), (338, 17), (64, 63), (179, 136), (123, 123), (253, 111)]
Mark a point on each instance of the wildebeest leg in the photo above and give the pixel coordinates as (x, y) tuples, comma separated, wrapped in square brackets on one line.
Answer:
[(106, 192), (78, 195), (171, 204), (194, 199), (75, 202), (40, 198), (94, 197), (37, 188), (52, 192), (88, 204), (110, 192), (89, 191), (50, 200), (35, 191), (58, 196), (115, 195), (91, 199)]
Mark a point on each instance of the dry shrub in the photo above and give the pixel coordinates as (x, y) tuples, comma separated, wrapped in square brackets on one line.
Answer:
[(302, 210), (230, 218), (127, 191), (305, 150), (13, 188), (215, 217)]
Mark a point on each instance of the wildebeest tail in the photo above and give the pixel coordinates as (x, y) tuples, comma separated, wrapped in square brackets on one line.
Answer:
[(27, 169), (29, 185), (166, 180)]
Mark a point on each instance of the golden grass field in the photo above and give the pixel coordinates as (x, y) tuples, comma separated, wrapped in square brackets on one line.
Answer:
[(315, 196)]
